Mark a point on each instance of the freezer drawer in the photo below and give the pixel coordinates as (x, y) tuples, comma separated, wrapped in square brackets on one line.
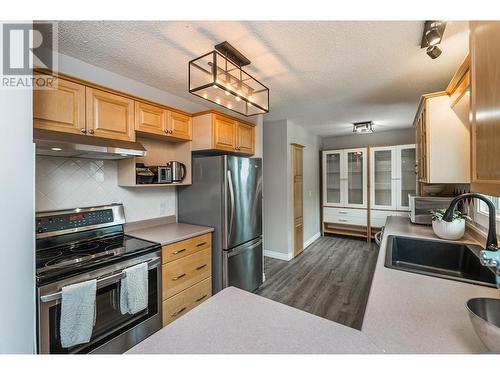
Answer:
[(244, 265)]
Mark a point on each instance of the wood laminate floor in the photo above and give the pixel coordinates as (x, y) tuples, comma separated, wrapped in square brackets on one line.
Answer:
[(331, 279)]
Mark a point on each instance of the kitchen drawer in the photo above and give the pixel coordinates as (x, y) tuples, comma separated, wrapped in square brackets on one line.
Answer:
[(187, 247), (185, 272), (344, 216), (176, 306)]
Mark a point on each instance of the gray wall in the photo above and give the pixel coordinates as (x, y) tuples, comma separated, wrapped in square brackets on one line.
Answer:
[(17, 254), (278, 234), (275, 188), (392, 137)]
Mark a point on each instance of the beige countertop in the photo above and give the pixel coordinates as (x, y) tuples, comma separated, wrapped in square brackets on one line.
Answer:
[(406, 313), (237, 322), (412, 313), (165, 231)]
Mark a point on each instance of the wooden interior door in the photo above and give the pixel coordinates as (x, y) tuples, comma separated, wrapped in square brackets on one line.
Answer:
[(245, 139), (224, 133), (61, 109), (298, 198), (179, 126), (150, 119), (109, 115), (485, 104)]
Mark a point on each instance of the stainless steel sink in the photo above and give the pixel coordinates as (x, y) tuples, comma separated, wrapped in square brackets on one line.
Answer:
[(447, 260)]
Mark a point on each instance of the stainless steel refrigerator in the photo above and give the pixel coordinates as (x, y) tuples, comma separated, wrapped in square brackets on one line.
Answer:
[(226, 194)]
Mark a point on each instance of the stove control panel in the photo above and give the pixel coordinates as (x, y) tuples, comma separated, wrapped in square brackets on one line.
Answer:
[(73, 220)]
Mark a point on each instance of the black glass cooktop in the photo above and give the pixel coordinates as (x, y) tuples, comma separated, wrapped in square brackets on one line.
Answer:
[(60, 261)]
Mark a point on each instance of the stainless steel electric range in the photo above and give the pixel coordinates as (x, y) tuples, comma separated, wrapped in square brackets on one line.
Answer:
[(81, 244)]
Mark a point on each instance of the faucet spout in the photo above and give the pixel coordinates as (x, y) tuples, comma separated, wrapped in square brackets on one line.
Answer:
[(492, 259), (491, 241)]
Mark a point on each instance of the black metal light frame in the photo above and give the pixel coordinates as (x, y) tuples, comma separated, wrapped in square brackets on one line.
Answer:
[(215, 55)]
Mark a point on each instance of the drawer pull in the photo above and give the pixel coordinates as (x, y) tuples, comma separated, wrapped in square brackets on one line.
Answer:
[(343, 220), (343, 212), (200, 267), (201, 244), (201, 298), (178, 251), (178, 312), (178, 277)]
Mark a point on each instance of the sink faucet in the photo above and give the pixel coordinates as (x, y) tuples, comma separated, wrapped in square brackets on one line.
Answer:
[(491, 255)]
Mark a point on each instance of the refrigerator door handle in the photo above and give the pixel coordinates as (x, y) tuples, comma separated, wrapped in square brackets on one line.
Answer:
[(231, 194)]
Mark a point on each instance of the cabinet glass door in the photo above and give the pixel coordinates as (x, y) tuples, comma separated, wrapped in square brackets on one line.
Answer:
[(382, 177), (332, 178), (408, 183), (355, 178)]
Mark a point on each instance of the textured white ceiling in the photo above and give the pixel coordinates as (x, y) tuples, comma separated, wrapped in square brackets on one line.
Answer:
[(321, 75)]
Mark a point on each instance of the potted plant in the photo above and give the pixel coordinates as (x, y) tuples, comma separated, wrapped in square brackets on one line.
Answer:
[(453, 230)]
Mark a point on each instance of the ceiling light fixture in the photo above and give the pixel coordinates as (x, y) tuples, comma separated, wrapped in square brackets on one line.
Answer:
[(432, 36), (220, 71), (433, 51), (362, 127)]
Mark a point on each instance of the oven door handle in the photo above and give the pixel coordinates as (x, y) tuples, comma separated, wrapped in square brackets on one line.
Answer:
[(101, 282)]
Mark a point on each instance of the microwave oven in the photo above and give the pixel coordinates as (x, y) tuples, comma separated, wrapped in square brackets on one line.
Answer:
[(420, 207)]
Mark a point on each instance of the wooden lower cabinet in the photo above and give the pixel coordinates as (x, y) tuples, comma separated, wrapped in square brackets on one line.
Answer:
[(186, 275), (176, 306)]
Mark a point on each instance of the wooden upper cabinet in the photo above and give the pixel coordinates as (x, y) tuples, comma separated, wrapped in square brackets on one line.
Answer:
[(224, 134), (443, 142), (109, 115), (245, 138), (485, 106), (61, 109), (179, 126), (150, 119), (218, 132)]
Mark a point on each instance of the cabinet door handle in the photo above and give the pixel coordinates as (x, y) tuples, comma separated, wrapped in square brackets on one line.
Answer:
[(178, 277), (200, 267), (91, 131), (201, 298), (166, 131), (178, 312), (83, 130), (178, 251), (201, 244)]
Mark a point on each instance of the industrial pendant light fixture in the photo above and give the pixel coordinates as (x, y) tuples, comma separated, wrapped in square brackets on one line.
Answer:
[(219, 78)]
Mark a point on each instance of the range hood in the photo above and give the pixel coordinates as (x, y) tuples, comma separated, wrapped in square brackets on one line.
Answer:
[(52, 143)]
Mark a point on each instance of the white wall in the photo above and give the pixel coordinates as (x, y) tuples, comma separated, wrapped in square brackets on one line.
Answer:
[(278, 214), (17, 254), (392, 137)]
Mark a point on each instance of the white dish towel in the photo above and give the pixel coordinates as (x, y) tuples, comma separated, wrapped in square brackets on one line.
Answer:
[(77, 313), (134, 289)]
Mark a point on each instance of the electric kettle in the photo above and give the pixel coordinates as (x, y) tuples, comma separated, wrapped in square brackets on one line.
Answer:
[(178, 170)]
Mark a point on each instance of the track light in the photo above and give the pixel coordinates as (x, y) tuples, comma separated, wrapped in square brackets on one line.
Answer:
[(433, 52), (432, 36)]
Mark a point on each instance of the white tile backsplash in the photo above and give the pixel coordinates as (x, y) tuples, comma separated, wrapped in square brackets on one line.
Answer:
[(70, 182)]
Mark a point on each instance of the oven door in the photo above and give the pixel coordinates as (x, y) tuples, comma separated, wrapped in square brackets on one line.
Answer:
[(112, 332)]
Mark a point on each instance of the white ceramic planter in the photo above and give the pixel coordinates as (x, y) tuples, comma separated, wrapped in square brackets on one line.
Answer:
[(449, 230)]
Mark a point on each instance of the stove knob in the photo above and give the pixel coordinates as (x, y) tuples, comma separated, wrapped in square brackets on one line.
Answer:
[(39, 230)]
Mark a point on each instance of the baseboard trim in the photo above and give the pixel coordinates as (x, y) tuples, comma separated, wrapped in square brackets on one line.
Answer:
[(277, 255), (312, 239)]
